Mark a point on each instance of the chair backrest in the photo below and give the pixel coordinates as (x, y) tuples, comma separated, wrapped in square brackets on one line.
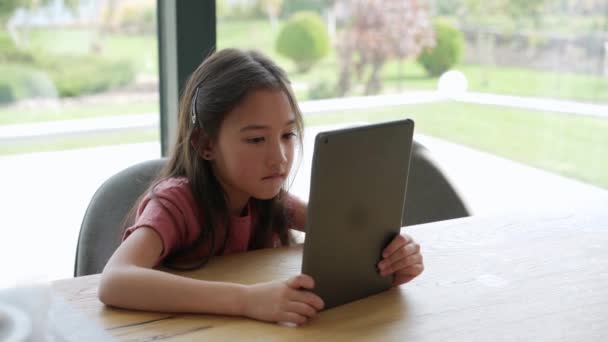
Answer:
[(100, 232), (431, 195)]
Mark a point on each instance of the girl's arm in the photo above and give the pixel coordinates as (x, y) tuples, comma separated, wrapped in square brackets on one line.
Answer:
[(128, 281)]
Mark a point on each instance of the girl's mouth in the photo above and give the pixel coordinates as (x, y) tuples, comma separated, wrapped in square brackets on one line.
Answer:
[(274, 176)]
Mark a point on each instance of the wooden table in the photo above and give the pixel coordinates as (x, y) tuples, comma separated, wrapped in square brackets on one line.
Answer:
[(534, 278)]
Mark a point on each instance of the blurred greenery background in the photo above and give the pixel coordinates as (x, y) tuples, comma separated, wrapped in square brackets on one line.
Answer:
[(105, 64)]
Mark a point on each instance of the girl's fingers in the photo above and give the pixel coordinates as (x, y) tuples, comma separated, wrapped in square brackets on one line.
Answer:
[(408, 255), (301, 281), (401, 264), (309, 298), (407, 262), (409, 249), (412, 270), (398, 242), (388, 266), (292, 317), (402, 279), (301, 309), (403, 259), (407, 274), (412, 248)]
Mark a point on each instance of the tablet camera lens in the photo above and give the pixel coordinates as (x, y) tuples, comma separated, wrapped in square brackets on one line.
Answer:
[(326, 140)]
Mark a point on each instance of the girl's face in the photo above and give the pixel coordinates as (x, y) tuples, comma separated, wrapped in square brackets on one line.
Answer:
[(254, 150)]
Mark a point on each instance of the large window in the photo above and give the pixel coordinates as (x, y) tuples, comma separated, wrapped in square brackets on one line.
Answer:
[(509, 96), (78, 102)]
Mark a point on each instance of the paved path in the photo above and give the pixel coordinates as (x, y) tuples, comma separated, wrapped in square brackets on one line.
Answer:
[(533, 103), (141, 121)]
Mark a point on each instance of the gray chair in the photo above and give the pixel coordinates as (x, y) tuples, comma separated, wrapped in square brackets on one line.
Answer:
[(430, 195), (103, 222)]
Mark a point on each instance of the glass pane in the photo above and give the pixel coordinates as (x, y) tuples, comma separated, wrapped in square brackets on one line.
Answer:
[(78, 103), (511, 105)]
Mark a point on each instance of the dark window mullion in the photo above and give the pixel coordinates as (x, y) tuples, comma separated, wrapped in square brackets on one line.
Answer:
[(186, 34)]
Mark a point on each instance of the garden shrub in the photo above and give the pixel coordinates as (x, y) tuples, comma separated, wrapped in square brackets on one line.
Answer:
[(19, 82), (304, 40), (322, 90), (447, 51), (238, 10), (25, 75), (11, 53), (78, 75), (7, 94), (137, 19)]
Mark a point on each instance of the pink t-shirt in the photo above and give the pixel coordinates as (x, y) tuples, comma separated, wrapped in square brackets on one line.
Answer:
[(172, 212)]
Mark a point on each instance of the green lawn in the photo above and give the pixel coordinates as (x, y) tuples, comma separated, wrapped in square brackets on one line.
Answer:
[(570, 145), (507, 81), (10, 116), (141, 50), (550, 23), (61, 41), (69, 143)]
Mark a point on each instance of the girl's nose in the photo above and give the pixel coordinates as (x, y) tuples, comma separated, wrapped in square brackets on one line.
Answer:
[(279, 153)]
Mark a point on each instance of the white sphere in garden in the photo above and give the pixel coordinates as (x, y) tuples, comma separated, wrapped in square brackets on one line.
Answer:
[(452, 83)]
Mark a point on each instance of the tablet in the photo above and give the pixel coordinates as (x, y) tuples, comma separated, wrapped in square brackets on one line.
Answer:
[(357, 192)]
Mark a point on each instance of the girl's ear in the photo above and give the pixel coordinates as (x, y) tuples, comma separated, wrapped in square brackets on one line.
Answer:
[(203, 144)]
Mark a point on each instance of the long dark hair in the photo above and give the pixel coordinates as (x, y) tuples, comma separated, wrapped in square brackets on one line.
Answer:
[(217, 86)]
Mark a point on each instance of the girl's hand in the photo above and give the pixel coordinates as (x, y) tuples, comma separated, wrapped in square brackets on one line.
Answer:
[(402, 259), (283, 301)]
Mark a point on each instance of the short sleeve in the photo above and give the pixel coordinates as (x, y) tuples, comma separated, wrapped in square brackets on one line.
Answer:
[(169, 209)]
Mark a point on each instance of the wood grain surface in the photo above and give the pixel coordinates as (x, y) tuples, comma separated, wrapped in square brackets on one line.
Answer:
[(507, 278)]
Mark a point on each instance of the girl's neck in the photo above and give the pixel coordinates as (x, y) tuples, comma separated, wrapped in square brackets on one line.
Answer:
[(237, 200), (240, 210)]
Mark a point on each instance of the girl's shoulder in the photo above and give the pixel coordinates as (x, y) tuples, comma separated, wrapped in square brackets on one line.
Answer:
[(172, 183), (173, 188)]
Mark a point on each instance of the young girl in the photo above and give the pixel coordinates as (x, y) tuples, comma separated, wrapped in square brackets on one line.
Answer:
[(220, 193)]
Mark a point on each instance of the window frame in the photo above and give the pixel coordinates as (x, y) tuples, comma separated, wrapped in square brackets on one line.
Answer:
[(186, 34)]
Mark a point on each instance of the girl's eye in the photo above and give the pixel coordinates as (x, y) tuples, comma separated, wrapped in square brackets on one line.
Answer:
[(255, 140), (289, 136)]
